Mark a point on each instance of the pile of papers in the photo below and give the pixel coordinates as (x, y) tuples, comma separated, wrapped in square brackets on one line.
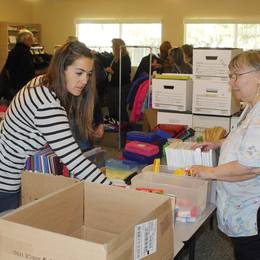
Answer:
[(182, 155)]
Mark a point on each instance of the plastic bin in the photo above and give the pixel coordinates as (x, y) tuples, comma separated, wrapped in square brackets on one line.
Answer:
[(189, 192)]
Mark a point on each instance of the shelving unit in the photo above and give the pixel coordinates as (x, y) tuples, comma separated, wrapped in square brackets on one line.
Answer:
[(8, 32)]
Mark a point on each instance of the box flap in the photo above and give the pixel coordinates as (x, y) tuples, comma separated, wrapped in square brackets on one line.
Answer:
[(60, 212), (36, 185), (23, 242)]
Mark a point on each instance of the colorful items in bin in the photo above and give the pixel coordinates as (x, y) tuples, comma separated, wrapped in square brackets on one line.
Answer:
[(142, 148), (156, 165), (182, 172), (186, 211), (185, 134), (151, 190), (172, 129), (213, 134), (139, 158), (120, 169)]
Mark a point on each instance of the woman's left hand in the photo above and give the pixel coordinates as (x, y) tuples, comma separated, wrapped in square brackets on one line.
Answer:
[(99, 131), (203, 172)]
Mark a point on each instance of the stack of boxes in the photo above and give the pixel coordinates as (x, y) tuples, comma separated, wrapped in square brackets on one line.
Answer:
[(202, 100), (213, 101)]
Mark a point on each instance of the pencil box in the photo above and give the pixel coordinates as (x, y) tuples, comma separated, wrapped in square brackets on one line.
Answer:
[(141, 136), (142, 148), (139, 158), (122, 165)]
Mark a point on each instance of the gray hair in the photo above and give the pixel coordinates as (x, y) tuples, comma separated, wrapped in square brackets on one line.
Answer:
[(23, 35)]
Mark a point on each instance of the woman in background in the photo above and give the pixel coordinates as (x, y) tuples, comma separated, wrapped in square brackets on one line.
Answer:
[(177, 62), (113, 80), (40, 114)]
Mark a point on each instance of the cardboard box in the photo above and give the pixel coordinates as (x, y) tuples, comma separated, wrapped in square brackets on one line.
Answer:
[(213, 62), (150, 119), (37, 185), (213, 97), (172, 94), (90, 221), (174, 118)]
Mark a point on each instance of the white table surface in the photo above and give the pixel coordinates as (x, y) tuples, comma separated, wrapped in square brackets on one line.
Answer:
[(184, 231), (177, 246)]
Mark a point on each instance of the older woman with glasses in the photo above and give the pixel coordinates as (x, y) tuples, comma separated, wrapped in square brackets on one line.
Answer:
[(237, 175)]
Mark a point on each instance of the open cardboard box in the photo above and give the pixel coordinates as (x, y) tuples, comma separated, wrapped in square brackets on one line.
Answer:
[(90, 221), (37, 185)]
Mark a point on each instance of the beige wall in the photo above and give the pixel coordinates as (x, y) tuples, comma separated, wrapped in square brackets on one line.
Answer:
[(58, 17), (15, 11)]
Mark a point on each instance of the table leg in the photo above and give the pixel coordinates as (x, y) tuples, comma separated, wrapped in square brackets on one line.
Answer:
[(192, 248)]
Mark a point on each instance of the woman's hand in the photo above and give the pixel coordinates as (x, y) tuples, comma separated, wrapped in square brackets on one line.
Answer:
[(206, 146), (203, 172), (109, 70)]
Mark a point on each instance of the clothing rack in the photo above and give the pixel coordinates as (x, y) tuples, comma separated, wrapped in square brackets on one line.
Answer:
[(120, 83)]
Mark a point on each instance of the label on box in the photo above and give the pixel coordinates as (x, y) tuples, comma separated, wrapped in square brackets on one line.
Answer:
[(145, 241)]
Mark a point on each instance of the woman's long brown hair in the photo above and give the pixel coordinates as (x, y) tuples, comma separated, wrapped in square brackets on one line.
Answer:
[(80, 107)]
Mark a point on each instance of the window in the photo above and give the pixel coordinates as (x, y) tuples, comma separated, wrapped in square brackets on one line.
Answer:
[(232, 35), (98, 36)]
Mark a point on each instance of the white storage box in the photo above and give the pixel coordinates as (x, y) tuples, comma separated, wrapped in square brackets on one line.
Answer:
[(174, 118), (211, 96), (172, 94), (213, 62), (200, 122)]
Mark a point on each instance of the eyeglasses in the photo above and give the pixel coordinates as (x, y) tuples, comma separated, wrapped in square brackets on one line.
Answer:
[(234, 76)]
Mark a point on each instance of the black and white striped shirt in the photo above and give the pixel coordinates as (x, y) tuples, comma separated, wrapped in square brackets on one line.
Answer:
[(34, 118)]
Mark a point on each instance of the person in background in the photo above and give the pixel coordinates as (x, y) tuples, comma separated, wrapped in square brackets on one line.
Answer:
[(165, 47), (177, 63), (144, 66), (41, 113), (237, 174), (113, 80), (188, 53), (19, 63)]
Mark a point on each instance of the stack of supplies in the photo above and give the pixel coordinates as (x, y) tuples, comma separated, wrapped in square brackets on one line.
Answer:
[(147, 137), (182, 155), (44, 161), (213, 134), (174, 131), (141, 152), (120, 169)]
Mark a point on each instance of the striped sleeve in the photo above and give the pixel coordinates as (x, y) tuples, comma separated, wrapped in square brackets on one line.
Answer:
[(53, 123)]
